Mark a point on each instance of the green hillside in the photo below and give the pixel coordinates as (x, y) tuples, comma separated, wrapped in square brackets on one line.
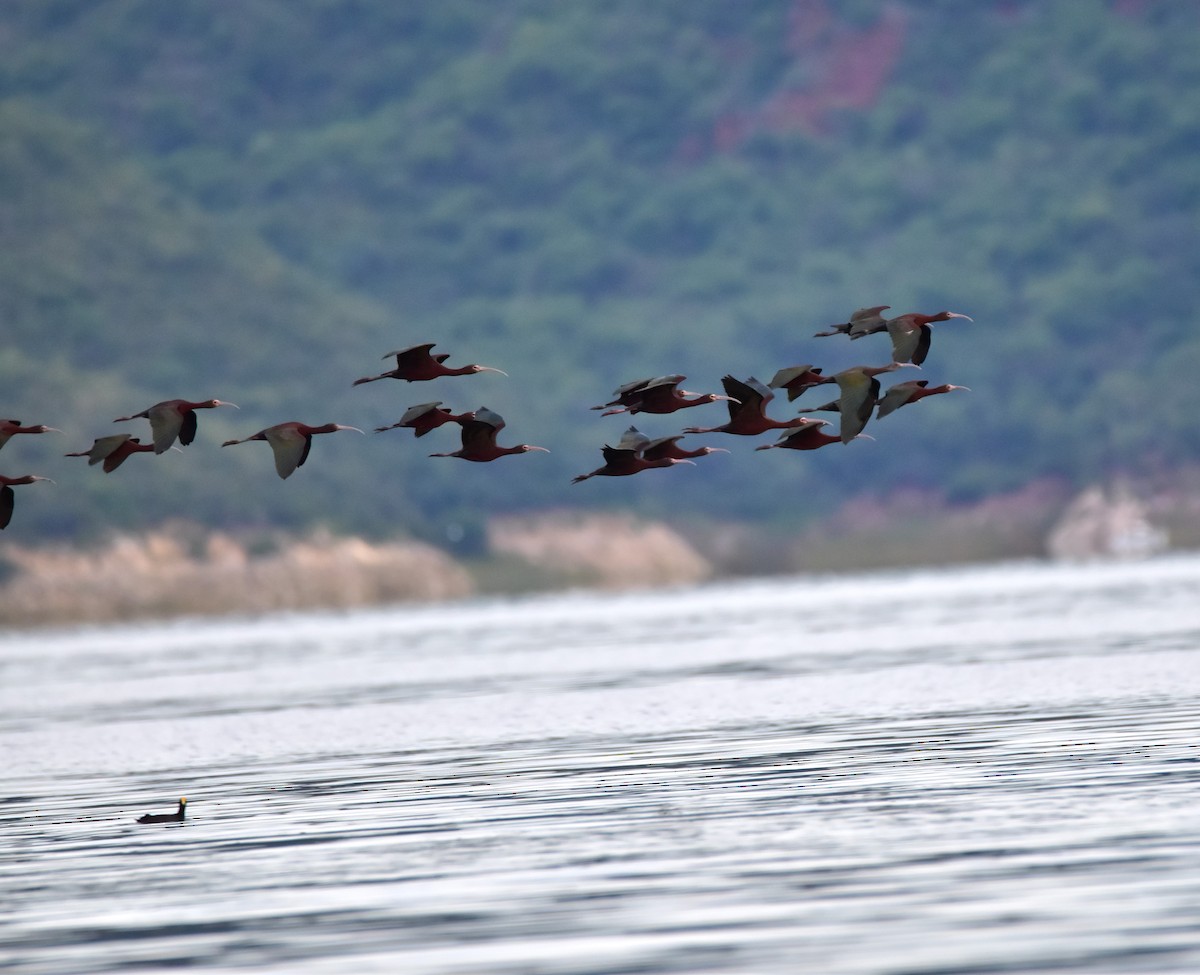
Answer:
[(255, 201)]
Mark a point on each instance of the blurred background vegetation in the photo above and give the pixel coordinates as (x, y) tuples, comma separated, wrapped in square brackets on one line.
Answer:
[(255, 201)]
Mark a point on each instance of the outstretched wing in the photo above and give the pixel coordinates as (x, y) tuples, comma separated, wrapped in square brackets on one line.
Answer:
[(167, 423), (290, 448)]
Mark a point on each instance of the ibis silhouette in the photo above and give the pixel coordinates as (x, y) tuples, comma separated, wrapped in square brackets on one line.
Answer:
[(7, 497), (479, 439), (290, 442), (417, 364), (173, 418)]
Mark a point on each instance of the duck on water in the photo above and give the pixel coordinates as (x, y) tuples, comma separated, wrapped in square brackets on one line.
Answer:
[(176, 817)]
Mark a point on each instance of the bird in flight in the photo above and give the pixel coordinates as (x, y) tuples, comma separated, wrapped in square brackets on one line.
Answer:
[(173, 418), (290, 442)]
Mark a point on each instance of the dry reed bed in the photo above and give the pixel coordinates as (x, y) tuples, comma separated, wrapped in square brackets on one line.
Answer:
[(609, 551), (160, 575), (180, 570), (183, 570)]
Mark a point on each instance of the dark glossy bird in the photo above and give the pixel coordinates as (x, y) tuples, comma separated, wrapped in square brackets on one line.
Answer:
[(659, 395), (479, 439), (669, 447), (912, 391), (173, 418), (416, 364), (808, 436), (747, 410), (911, 334), (796, 379), (176, 817), (290, 442), (627, 458), (7, 497), (425, 417), (10, 428), (623, 395), (865, 321), (113, 451), (859, 394)]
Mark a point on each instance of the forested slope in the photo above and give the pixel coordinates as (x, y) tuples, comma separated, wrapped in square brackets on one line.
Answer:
[(256, 201)]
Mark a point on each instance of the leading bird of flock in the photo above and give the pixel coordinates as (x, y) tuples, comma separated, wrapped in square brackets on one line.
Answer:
[(417, 364), (910, 333)]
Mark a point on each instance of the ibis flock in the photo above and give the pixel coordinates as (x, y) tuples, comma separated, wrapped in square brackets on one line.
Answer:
[(859, 398)]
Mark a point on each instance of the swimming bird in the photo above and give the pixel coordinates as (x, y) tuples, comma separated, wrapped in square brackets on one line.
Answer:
[(808, 436), (10, 428), (113, 450), (290, 442), (626, 458), (660, 395), (747, 410), (7, 497), (425, 417), (416, 364), (479, 439), (911, 334), (173, 418), (176, 817), (912, 391), (796, 379), (865, 321), (859, 394)]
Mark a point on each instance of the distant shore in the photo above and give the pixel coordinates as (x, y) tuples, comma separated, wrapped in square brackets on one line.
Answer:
[(184, 570)]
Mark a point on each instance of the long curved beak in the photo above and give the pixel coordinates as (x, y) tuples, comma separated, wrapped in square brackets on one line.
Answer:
[(222, 402), (955, 314), (718, 450), (492, 369), (544, 450), (342, 426), (967, 388)]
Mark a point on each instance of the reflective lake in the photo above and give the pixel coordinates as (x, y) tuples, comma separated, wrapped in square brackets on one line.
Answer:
[(983, 770)]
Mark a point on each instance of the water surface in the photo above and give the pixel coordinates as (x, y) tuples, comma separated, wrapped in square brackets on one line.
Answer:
[(990, 770)]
